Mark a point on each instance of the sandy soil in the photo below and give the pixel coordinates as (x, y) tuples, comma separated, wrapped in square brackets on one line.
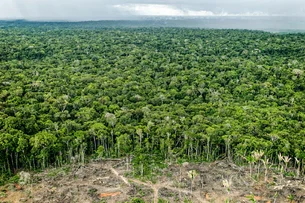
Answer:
[(106, 181)]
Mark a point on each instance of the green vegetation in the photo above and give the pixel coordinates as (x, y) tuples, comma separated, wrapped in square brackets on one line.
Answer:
[(150, 93)]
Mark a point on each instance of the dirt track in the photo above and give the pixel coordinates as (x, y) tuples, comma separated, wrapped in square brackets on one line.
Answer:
[(106, 182)]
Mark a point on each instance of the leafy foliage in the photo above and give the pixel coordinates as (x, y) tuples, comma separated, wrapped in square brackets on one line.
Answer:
[(167, 92)]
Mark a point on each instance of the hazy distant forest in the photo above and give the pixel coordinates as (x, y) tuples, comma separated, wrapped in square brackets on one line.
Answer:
[(153, 94)]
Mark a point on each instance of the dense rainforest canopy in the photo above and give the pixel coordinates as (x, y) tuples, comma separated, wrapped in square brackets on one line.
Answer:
[(169, 93)]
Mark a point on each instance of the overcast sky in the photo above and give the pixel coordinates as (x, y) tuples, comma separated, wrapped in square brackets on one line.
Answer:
[(76, 10)]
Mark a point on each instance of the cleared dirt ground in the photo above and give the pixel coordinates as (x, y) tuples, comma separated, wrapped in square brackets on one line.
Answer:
[(108, 181)]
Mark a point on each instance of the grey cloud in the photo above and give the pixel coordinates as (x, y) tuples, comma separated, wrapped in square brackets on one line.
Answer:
[(104, 9)]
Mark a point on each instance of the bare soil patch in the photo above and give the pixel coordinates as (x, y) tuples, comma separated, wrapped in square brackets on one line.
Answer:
[(107, 181)]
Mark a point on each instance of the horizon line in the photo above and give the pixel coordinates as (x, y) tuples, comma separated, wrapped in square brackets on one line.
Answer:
[(144, 17)]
